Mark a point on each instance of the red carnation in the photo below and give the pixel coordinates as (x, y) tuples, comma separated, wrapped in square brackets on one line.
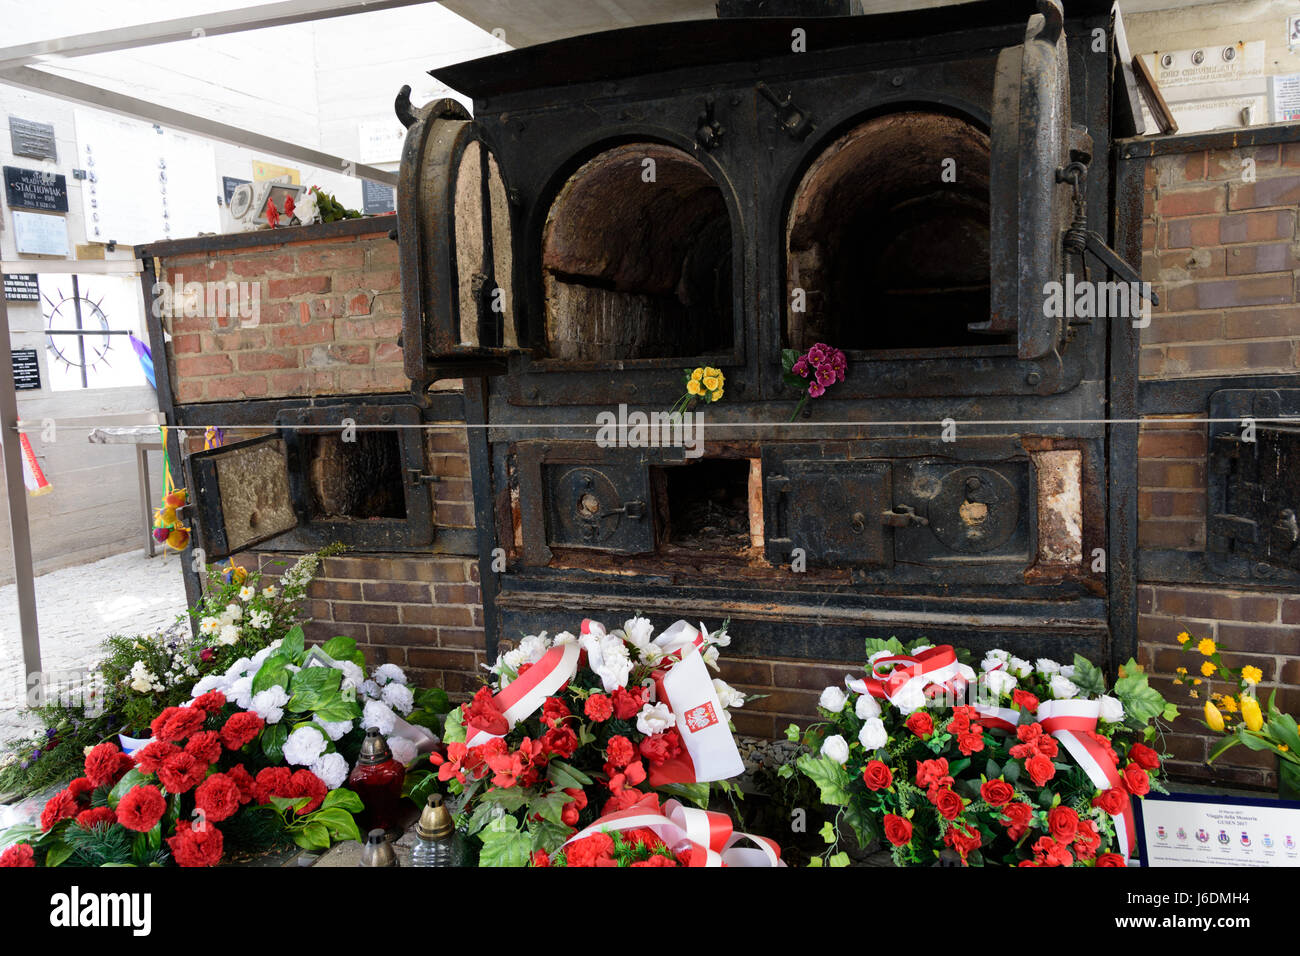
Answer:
[(1024, 700), (554, 710), (1144, 757), (1048, 852), (921, 724), (1041, 769), (996, 792), (181, 772), (176, 723), (562, 742), (243, 781), (595, 850), (217, 797), (195, 846), (304, 783), (1136, 780), (540, 858), (81, 788), (661, 747), (89, 819), (150, 757), (1047, 746), (963, 839), (1110, 859), (627, 797), (898, 830), (20, 854), (141, 808), (619, 751), (211, 702), (105, 765), (205, 746), (61, 806), (1017, 817), (877, 776), (1112, 801), (482, 713), (241, 728), (1063, 824), (271, 782), (627, 703), (598, 708)]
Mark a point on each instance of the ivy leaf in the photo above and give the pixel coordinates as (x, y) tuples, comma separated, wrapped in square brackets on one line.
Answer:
[(453, 728), (792, 733), (827, 832), (550, 806), (504, 844), (838, 860), (1088, 677), (548, 836), (831, 778)]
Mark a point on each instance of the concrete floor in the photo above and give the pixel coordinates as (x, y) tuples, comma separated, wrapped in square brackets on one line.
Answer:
[(77, 608)]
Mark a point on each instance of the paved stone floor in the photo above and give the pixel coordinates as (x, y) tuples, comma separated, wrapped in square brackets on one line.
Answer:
[(76, 609)]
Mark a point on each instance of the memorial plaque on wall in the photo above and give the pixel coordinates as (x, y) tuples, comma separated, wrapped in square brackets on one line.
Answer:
[(1184, 829), (27, 370), (32, 139), (36, 189), (229, 184), (377, 198), (21, 287)]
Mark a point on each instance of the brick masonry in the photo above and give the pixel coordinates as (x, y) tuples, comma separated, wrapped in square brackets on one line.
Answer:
[(1222, 252)]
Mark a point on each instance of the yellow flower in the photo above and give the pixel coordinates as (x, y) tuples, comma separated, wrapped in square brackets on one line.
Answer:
[(168, 517), (716, 396), (1184, 637), (1250, 713), (711, 383), (711, 371), (1283, 747), (1213, 718), (1251, 675), (1206, 646), (694, 387), (1208, 669), (1180, 670), (1196, 681), (1229, 704), (697, 374)]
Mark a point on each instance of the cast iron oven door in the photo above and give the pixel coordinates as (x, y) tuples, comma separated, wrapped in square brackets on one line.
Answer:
[(315, 482)]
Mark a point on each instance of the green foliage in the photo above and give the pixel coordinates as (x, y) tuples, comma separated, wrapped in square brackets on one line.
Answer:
[(1142, 702), (1088, 677), (504, 844), (831, 778)]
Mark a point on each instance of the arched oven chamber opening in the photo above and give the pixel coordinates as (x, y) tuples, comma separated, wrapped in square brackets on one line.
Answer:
[(636, 259), (889, 252)]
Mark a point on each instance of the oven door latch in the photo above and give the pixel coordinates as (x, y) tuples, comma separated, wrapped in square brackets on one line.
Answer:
[(1079, 239), (417, 477), (901, 516)]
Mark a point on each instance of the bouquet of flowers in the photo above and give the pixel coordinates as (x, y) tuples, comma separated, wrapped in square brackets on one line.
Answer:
[(1239, 715), (705, 383), (1019, 763), (573, 727), (812, 372)]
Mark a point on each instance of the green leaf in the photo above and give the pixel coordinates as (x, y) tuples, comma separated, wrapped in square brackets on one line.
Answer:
[(344, 799), (1011, 772), (832, 779), (339, 822), (839, 860), (815, 862), (696, 793), (274, 672), (827, 832), (1088, 677), (549, 806), (1283, 726), (289, 803), (273, 739), (20, 833), (314, 836), (547, 836), (340, 648), (293, 645), (874, 644), (58, 852), (132, 778), (1142, 702), (792, 733), (992, 770), (862, 824), (509, 799), (434, 700), (337, 709), (566, 777), (1171, 712), (788, 358), (504, 844), (453, 728)]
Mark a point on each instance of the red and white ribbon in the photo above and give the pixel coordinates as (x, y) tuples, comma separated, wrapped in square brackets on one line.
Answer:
[(893, 675), (708, 837), (526, 694), (998, 718), (1070, 721)]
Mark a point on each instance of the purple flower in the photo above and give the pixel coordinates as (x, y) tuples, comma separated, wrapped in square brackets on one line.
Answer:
[(801, 367), (24, 765), (816, 390), (825, 376), (36, 755), (818, 353)]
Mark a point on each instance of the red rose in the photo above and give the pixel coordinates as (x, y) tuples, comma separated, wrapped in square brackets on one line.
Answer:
[(61, 806), (932, 773), (205, 746), (963, 839), (141, 808), (243, 781), (240, 729), (1112, 801), (211, 702), (20, 854), (1047, 746), (595, 850), (947, 803), (598, 708), (181, 772), (1047, 852), (661, 747), (627, 704), (89, 819), (554, 711), (1024, 700), (105, 765), (195, 846), (1017, 817), (970, 743), (877, 776), (921, 724), (81, 789), (304, 783), (1063, 824), (1087, 840), (271, 782), (150, 757), (1041, 769), (217, 797), (176, 723), (996, 792), (1136, 780), (619, 751), (540, 858), (898, 830), (1110, 859), (1144, 757)]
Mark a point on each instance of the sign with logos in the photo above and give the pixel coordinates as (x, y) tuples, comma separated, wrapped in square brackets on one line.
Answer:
[(36, 189), (39, 235), (32, 139), (27, 370), (229, 184), (21, 287), (1189, 829), (1216, 86), (377, 198), (1286, 98)]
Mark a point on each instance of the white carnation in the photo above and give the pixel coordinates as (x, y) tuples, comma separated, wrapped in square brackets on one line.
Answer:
[(335, 729), (1063, 688), (303, 746), (533, 648), (369, 689), (655, 719), (353, 676), (836, 748), (832, 699), (1112, 711), (564, 637), (873, 735), (211, 682), (379, 715), (866, 707), (332, 770), (386, 673), (269, 704), (404, 751), (241, 693), (399, 697)]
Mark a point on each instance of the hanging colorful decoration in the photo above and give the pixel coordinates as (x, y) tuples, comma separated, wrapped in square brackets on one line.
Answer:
[(167, 527)]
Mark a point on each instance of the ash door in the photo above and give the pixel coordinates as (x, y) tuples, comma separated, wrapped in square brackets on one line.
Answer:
[(834, 511), (242, 495)]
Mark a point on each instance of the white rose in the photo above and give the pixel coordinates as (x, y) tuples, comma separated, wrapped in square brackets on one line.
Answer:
[(873, 735), (404, 751), (1067, 671), (655, 719), (1112, 711), (639, 631), (999, 655), (728, 695), (866, 707), (1048, 667), (1020, 667), (911, 699), (1000, 683), (832, 699), (711, 656), (966, 673), (1063, 688), (877, 656), (922, 647), (836, 748), (332, 770)]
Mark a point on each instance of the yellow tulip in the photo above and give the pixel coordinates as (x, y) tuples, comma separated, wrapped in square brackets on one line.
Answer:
[(1250, 713), (1213, 718)]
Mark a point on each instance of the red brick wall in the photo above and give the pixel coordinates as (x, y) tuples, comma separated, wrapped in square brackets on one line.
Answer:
[(1221, 251)]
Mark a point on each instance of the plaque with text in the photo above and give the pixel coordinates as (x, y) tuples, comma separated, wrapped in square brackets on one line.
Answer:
[(377, 198), (1193, 829), (32, 139), (229, 184), (21, 287), (39, 235), (36, 189), (27, 370)]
